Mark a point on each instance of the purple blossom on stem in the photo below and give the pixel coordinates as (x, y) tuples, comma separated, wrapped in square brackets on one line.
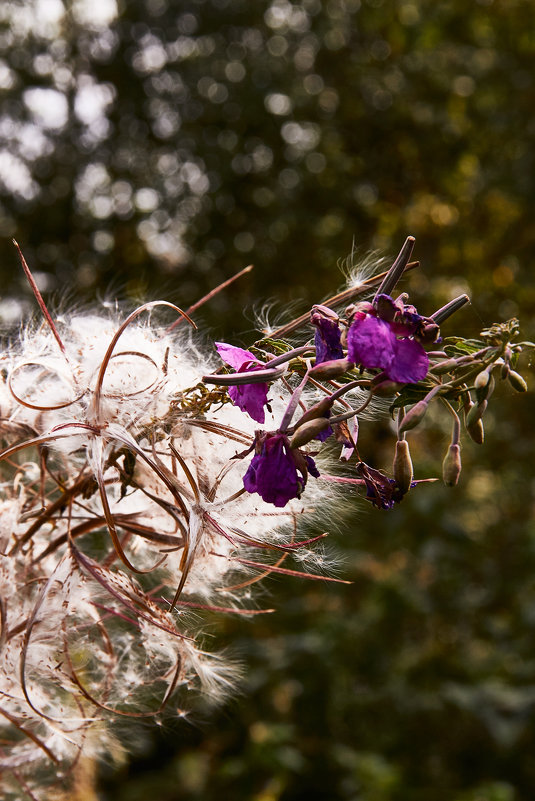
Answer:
[(277, 472), (327, 337), (250, 398), (386, 336)]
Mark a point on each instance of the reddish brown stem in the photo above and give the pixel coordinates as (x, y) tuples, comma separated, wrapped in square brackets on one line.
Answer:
[(39, 299), (209, 296)]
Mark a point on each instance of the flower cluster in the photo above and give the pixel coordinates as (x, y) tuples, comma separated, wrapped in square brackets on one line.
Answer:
[(137, 488)]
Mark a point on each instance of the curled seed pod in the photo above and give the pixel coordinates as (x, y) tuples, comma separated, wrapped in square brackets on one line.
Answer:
[(308, 431), (414, 416), (476, 412), (517, 382), (451, 466), (403, 472)]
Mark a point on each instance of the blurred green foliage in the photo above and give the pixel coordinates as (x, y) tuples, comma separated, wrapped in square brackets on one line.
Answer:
[(156, 147)]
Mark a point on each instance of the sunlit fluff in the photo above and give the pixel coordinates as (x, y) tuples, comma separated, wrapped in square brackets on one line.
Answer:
[(108, 474)]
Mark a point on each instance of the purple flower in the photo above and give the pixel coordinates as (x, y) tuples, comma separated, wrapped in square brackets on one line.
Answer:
[(277, 472), (385, 337), (327, 337), (250, 398)]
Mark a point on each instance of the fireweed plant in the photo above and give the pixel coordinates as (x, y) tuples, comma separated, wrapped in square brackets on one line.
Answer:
[(146, 480)]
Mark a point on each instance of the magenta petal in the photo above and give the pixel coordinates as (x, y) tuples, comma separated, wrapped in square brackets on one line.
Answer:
[(235, 357), (250, 398), (327, 339), (371, 343), (273, 474), (410, 363)]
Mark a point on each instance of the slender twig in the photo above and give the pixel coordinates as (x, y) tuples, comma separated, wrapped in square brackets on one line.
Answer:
[(39, 299), (342, 297), (209, 296)]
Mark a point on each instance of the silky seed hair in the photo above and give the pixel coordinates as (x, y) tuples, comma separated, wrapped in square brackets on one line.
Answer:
[(85, 638)]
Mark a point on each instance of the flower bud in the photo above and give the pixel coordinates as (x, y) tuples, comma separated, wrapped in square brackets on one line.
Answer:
[(484, 392), (331, 369), (428, 333), (444, 366), (476, 432), (403, 471), (482, 379), (320, 409), (362, 308), (451, 466), (308, 431), (517, 382), (383, 387), (477, 410), (414, 416)]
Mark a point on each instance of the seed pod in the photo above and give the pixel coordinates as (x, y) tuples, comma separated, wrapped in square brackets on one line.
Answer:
[(414, 416), (331, 369), (476, 412), (451, 466), (308, 431), (403, 472), (517, 382)]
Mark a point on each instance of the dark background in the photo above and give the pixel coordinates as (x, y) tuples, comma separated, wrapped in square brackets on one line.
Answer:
[(152, 149)]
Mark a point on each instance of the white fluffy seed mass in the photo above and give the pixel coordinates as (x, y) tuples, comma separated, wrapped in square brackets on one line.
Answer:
[(122, 494)]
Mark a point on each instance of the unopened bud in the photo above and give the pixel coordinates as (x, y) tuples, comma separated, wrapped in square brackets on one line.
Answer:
[(484, 392), (414, 416), (476, 432), (385, 387), (517, 382), (476, 412), (444, 366), (451, 466), (324, 311), (482, 379), (429, 332), (331, 369), (320, 409), (505, 370), (403, 471), (308, 431), (362, 308)]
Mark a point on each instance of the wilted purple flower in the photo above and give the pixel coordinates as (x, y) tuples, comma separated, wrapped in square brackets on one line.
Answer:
[(382, 491), (277, 472), (385, 336), (327, 337), (250, 398)]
